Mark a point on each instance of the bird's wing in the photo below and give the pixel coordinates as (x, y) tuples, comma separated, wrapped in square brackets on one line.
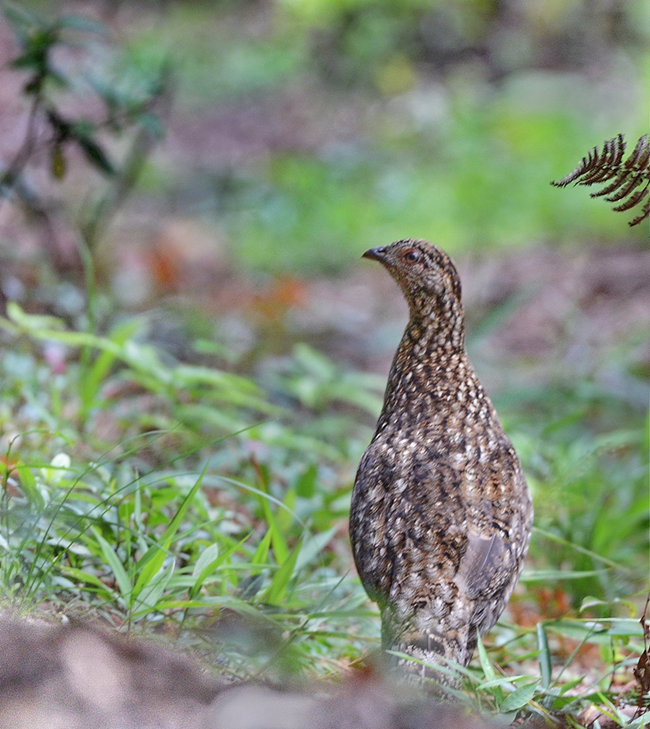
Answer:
[(484, 560), (368, 513)]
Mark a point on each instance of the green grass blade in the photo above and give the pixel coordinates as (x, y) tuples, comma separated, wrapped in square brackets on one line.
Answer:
[(280, 548), (544, 656), (486, 665), (89, 579), (314, 546), (153, 560), (153, 590), (120, 574), (640, 722), (262, 552), (93, 375), (278, 587), (567, 543)]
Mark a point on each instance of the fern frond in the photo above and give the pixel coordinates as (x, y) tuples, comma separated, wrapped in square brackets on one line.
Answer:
[(629, 180)]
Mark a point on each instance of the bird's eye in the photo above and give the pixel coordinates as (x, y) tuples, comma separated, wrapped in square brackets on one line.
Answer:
[(411, 256)]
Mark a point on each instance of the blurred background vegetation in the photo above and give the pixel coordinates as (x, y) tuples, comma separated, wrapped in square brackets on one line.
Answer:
[(194, 358), (304, 132)]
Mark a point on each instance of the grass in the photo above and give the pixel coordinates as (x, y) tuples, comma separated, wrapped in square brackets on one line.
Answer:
[(209, 503), (164, 495)]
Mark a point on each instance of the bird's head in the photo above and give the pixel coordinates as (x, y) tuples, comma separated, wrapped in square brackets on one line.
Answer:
[(426, 274)]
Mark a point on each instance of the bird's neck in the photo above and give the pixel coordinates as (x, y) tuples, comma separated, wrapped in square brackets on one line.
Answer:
[(435, 331), (429, 364), (435, 334)]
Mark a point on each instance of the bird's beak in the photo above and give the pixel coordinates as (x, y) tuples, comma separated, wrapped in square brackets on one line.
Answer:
[(376, 254)]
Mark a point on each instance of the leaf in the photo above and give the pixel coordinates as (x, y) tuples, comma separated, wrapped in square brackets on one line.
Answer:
[(153, 590), (151, 563), (88, 579), (502, 681), (280, 548), (518, 698), (553, 575), (261, 553), (282, 577), (595, 161), (314, 546), (206, 563), (544, 656), (58, 165), (486, 665), (640, 722), (148, 566), (93, 152), (121, 577), (32, 322), (567, 543), (628, 179), (93, 375), (306, 482), (634, 199), (29, 487)]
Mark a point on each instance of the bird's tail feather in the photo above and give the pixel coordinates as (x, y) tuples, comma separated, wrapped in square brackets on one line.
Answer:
[(431, 656)]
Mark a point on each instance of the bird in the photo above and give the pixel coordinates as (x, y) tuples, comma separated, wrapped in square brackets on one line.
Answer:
[(441, 513)]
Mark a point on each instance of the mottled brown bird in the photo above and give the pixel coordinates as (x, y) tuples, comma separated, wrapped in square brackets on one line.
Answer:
[(441, 515)]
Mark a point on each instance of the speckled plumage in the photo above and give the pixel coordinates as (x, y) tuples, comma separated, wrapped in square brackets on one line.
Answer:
[(441, 515)]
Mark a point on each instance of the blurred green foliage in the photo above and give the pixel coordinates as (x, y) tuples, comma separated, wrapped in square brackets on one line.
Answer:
[(448, 121), (463, 115)]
